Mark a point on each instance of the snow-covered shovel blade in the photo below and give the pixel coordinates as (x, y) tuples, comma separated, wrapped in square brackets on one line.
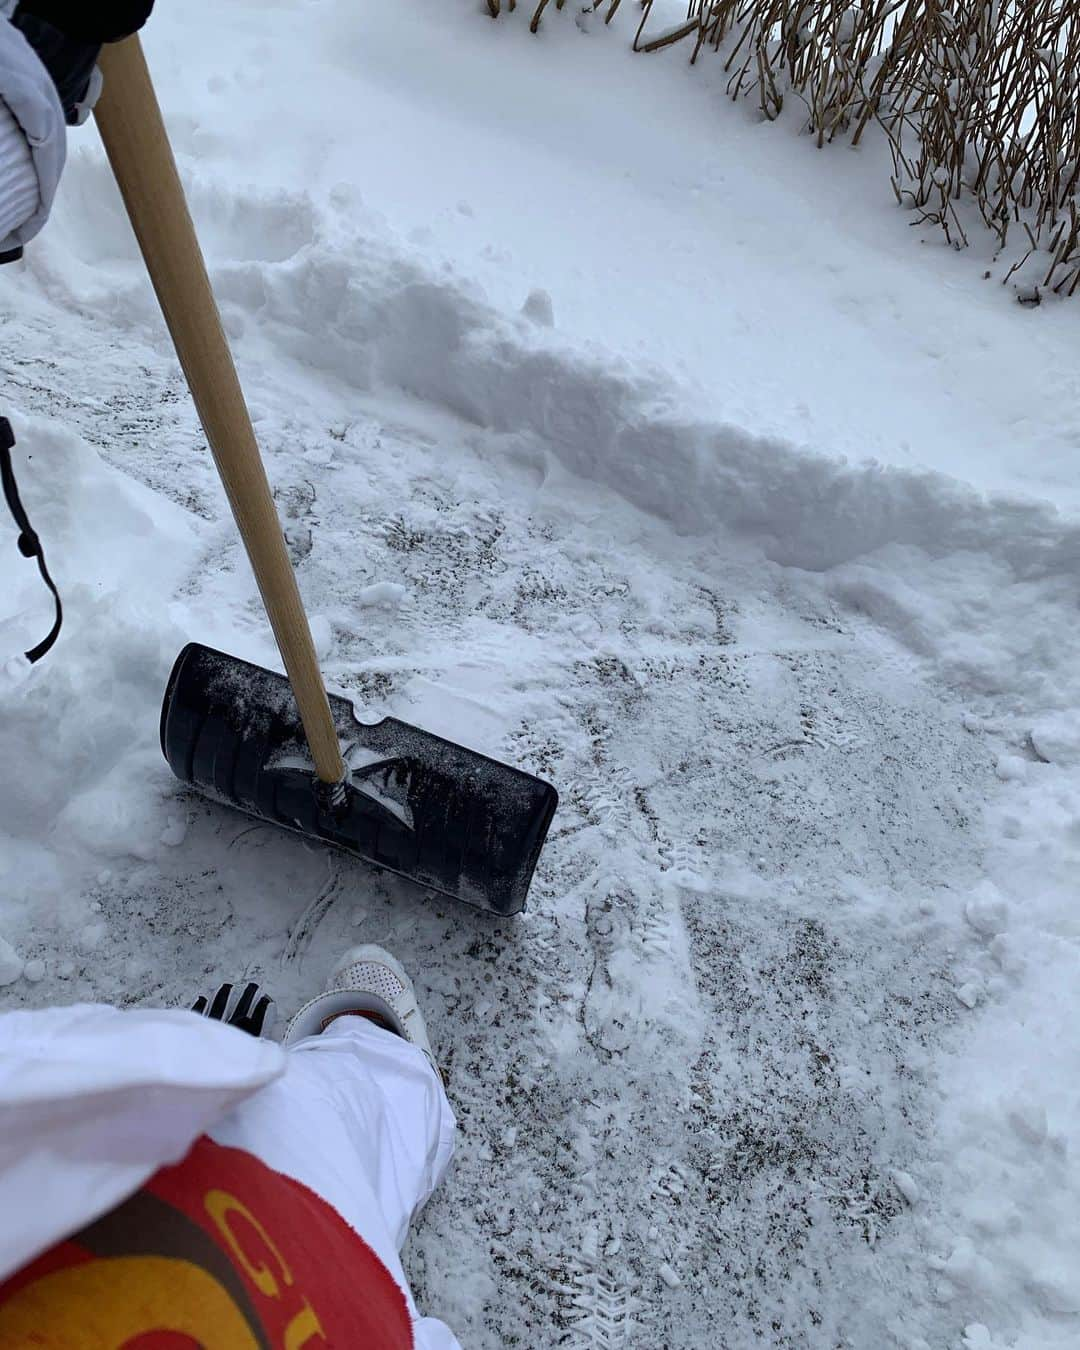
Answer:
[(433, 811)]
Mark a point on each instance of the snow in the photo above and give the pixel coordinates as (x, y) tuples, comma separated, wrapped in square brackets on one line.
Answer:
[(34, 971), (906, 1184), (11, 964), (621, 438)]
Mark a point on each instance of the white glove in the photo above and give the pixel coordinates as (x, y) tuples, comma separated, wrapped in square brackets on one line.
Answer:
[(33, 142)]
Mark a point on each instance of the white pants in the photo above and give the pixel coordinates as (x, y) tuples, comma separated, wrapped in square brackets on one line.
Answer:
[(94, 1100), (359, 1117)]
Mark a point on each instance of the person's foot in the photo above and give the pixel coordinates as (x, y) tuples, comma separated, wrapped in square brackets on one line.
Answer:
[(370, 982)]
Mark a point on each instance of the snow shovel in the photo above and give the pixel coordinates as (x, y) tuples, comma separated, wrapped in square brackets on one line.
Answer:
[(277, 748)]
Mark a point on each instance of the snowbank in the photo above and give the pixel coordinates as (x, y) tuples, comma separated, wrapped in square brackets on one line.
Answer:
[(295, 277)]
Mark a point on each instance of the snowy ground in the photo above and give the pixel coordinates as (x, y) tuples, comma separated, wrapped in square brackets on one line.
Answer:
[(783, 1053)]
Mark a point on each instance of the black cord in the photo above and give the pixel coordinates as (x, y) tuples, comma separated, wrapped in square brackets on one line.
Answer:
[(29, 543)]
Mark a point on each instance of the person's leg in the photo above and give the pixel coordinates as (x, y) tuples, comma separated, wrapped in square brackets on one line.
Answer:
[(376, 1098), (360, 1117)]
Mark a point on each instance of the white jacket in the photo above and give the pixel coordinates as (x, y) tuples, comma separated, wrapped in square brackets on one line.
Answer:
[(93, 1101), (33, 137)]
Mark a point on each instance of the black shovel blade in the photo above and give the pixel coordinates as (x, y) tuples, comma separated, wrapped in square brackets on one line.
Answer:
[(446, 817)]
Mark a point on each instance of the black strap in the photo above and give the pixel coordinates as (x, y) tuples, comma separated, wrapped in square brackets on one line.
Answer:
[(29, 543)]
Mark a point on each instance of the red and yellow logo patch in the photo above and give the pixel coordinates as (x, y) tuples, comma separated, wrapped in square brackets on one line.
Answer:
[(216, 1253)]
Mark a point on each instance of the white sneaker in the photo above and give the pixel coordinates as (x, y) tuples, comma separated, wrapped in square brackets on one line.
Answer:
[(366, 979)]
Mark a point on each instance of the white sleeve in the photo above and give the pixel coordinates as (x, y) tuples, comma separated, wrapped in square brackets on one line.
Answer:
[(33, 140), (19, 194), (93, 1101)]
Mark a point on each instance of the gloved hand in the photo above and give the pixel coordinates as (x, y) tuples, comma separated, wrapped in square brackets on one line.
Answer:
[(91, 23), (240, 1013), (67, 37), (48, 76)]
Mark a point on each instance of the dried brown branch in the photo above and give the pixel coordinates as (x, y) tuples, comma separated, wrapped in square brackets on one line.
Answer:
[(979, 100)]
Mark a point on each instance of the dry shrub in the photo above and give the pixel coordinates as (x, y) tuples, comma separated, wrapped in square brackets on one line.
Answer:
[(979, 101), (820, 50), (495, 8)]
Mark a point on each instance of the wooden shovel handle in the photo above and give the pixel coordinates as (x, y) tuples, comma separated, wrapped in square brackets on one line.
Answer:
[(129, 120)]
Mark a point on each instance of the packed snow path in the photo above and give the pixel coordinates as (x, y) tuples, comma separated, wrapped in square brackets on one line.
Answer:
[(687, 1075), (770, 1060)]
